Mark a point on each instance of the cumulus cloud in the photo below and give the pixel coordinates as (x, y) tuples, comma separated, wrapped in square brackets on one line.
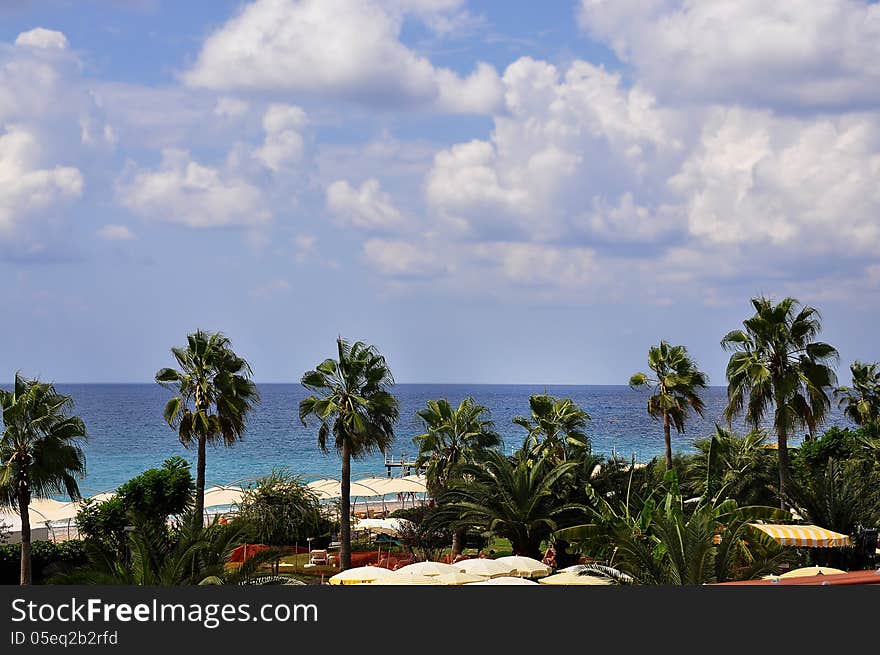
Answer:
[(786, 54), (338, 48), (113, 232), (586, 183), (183, 191), (756, 178), (403, 259), (283, 143), (564, 138), (40, 37), (366, 207), (29, 191)]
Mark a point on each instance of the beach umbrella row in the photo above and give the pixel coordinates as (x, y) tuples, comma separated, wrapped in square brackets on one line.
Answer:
[(512, 569)]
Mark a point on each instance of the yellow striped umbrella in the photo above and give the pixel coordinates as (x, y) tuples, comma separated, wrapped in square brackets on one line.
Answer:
[(803, 535)]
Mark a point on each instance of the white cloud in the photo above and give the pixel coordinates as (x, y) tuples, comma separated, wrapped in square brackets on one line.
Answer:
[(283, 143), (760, 179), (533, 264), (112, 232), (787, 53), (564, 138), (183, 191), (365, 208), (30, 192), (403, 259), (42, 38), (337, 48)]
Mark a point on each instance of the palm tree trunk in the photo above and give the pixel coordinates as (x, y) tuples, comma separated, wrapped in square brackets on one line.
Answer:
[(667, 434), (458, 541), (199, 510), (24, 500), (784, 462), (345, 510)]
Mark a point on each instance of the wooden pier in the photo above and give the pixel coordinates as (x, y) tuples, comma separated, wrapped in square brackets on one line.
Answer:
[(407, 467)]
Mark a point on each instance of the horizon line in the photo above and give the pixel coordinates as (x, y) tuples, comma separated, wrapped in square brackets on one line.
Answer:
[(472, 384)]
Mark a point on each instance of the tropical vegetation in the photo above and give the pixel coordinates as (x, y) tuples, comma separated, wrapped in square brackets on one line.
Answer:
[(355, 409), (41, 452), (684, 518), (777, 364), (676, 383), (215, 394)]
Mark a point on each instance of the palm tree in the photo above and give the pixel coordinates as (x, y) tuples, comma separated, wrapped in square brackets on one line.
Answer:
[(677, 383), (555, 426), (516, 498), (777, 363), (356, 409), (40, 452), (742, 465), (215, 394), (453, 437), (861, 402)]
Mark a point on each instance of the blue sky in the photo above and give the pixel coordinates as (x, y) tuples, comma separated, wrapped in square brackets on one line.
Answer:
[(496, 192)]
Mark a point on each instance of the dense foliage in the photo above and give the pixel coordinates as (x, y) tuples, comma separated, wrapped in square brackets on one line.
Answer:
[(280, 510), (47, 559), (144, 502)]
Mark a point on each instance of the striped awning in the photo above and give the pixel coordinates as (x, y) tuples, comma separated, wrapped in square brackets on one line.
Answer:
[(803, 535)]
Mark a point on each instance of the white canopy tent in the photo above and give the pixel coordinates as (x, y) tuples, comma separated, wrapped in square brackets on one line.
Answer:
[(221, 496), (370, 487)]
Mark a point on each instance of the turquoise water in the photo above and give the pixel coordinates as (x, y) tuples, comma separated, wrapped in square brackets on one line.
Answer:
[(128, 435)]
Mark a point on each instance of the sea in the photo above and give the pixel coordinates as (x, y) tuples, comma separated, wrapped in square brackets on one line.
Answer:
[(128, 435)]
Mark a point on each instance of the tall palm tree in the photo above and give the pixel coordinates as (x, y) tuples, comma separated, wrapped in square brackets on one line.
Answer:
[(453, 437), (861, 402), (215, 394), (556, 426), (356, 409), (777, 362), (515, 497), (677, 383), (40, 452)]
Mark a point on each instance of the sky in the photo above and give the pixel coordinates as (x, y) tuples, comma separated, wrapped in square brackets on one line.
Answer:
[(488, 192)]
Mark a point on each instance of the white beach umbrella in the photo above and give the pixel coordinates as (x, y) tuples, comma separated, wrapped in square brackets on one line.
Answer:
[(387, 526), (457, 578), (575, 579), (505, 580), (327, 488), (427, 568), (488, 568), (217, 496), (525, 566), (406, 580), (402, 485), (360, 575)]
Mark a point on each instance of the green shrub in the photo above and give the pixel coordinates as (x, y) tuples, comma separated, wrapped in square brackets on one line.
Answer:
[(280, 510), (146, 500), (47, 558)]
